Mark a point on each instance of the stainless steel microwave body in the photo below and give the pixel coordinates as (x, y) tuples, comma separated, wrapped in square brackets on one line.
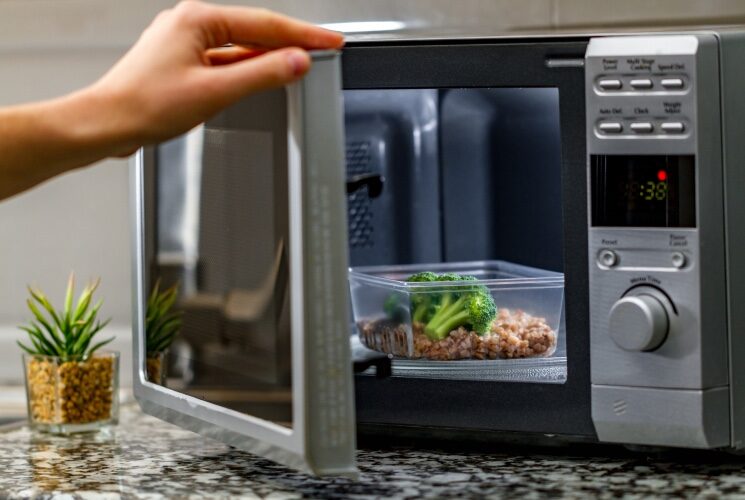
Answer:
[(615, 160)]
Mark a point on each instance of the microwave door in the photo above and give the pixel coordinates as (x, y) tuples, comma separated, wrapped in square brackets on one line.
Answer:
[(246, 217)]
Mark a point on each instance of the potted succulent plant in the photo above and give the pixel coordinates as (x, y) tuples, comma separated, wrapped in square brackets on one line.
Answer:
[(70, 385), (161, 326)]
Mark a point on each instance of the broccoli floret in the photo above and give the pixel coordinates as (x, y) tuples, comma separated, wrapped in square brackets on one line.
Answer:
[(445, 308), (422, 277), (422, 304), (448, 295), (470, 305), (450, 277), (394, 307)]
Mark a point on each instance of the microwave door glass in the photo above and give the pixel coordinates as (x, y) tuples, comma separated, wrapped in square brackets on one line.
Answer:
[(471, 185), (237, 211), (229, 255)]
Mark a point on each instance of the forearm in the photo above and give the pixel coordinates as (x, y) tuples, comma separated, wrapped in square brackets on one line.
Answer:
[(177, 75), (41, 140)]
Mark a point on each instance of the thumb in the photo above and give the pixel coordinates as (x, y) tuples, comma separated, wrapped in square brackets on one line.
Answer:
[(273, 69)]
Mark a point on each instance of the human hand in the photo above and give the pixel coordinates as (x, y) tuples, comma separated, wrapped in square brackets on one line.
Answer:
[(179, 73), (175, 77)]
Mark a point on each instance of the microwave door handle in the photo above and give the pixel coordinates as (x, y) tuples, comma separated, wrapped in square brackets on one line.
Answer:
[(374, 183)]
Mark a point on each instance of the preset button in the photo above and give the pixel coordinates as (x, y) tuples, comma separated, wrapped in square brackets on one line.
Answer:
[(607, 258)]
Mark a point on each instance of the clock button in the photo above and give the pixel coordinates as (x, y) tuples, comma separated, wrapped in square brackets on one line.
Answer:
[(642, 127)]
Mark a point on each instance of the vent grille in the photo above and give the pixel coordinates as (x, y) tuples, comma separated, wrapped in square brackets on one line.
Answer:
[(359, 204)]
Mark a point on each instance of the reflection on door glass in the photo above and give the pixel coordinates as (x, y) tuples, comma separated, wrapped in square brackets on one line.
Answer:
[(162, 325), (219, 214)]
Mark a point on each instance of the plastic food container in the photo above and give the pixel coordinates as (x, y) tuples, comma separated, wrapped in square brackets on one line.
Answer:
[(529, 305)]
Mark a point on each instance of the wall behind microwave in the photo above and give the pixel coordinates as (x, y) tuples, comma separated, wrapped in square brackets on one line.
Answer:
[(80, 221), (76, 222)]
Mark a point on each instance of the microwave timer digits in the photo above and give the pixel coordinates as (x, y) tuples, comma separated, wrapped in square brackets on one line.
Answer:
[(643, 191)]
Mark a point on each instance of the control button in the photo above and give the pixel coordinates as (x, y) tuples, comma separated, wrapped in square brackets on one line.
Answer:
[(673, 127), (608, 258), (610, 84), (678, 259), (672, 83), (611, 127), (641, 83), (638, 322), (642, 127)]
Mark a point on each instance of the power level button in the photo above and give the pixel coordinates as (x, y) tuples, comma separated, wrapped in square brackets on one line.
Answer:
[(607, 258)]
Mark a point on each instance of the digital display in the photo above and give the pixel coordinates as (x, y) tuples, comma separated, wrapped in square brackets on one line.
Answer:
[(643, 191), (649, 190)]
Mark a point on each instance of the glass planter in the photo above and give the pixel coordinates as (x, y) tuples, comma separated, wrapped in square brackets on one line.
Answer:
[(74, 395), (157, 364)]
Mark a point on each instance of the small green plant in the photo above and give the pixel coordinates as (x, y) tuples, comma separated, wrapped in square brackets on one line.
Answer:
[(161, 324), (67, 333)]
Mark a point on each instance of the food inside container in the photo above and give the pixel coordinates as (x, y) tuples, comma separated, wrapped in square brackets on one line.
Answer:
[(485, 310)]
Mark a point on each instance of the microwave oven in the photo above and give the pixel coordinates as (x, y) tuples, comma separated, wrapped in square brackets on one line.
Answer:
[(615, 162)]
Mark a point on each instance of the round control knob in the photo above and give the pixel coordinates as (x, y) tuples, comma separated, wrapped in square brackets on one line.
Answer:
[(638, 322)]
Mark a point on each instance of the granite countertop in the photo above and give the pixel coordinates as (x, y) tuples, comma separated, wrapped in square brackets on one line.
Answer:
[(146, 458)]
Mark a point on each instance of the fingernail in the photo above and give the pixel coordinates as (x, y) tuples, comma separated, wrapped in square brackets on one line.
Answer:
[(339, 37), (298, 62)]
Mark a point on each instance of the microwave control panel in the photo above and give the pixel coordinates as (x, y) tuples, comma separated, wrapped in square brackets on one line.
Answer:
[(655, 233), (644, 100)]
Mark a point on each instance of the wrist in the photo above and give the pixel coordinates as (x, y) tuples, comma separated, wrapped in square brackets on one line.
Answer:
[(44, 139), (99, 123)]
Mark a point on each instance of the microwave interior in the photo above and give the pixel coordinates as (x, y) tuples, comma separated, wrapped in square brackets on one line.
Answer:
[(441, 170)]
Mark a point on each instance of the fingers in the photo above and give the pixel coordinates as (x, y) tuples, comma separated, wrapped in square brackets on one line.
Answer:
[(270, 70), (126, 152), (228, 55), (221, 25)]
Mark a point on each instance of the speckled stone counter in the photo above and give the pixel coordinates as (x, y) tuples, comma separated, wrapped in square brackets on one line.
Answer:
[(146, 458)]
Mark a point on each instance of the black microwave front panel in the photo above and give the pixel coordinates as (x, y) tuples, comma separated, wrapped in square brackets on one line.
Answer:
[(479, 404)]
